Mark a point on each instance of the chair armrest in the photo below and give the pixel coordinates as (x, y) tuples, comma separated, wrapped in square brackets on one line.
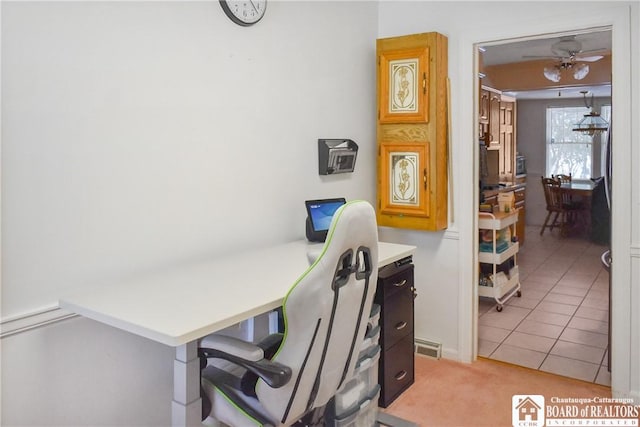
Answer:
[(234, 346), (274, 374)]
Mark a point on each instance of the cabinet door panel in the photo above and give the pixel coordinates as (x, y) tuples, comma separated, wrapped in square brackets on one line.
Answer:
[(404, 179), (403, 86)]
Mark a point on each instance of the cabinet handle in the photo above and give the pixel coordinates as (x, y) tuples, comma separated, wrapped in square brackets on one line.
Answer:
[(424, 178), (401, 325), (400, 375), (399, 284), (424, 83)]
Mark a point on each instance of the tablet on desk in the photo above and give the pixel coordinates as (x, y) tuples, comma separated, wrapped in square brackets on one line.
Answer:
[(319, 214)]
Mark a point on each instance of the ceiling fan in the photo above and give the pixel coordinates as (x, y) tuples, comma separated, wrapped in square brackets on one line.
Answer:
[(569, 55)]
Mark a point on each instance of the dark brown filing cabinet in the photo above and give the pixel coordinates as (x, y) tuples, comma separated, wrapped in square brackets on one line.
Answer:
[(395, 294)]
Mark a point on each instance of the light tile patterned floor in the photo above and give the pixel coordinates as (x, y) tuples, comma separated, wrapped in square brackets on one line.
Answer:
[(560, 323)]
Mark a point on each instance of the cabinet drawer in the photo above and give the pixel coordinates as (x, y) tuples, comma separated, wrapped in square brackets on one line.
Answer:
[(396, 370), (519, 194), (392, 279), (397, 317)]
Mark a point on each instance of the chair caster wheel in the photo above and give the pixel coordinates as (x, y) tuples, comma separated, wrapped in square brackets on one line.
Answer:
[(519, 294), (499, 308)]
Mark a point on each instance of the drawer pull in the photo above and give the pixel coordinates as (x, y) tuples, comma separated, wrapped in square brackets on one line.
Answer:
[(399, 284), (401, 325), (400, 375)]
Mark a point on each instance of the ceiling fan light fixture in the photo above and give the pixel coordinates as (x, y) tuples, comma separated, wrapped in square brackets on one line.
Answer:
[(552, 73), (581, 71)]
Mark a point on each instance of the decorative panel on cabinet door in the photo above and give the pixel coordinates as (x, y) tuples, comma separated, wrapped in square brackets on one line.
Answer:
[(404, 184), (494, 118), (507, 138), (403, 86), (412, 144)]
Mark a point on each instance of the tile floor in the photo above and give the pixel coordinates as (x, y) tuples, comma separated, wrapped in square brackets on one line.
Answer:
[(560, 323)]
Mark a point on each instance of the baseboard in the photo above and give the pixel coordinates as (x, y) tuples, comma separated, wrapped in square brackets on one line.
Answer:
[(451, 354), (36, 319)]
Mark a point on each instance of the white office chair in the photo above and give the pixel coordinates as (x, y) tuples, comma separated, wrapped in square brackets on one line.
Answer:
[(325, 316)]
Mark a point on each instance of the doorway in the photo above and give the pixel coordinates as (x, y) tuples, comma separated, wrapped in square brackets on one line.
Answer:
[(560, 324)]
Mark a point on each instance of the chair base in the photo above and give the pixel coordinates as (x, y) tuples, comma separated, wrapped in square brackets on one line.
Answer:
[(384, 419)]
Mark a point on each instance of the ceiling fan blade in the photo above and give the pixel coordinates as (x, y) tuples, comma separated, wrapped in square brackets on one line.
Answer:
[(589, 58), (542, 56), (603, 51)]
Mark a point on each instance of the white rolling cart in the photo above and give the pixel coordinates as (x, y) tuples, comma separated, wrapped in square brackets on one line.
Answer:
[(501, 228)]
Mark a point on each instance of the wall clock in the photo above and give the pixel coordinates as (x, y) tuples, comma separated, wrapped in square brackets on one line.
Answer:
[(244, 12)]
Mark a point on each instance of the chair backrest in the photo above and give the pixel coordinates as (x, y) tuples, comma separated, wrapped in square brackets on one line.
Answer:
[(562, 178), (552, 193), (325, 315)]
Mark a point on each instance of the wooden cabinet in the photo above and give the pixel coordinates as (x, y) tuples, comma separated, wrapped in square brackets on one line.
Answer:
[(494, 118), (412, 132), (497, 127), (506, 138), (483, 110), (519, 193), (489, 116), (395, 295)]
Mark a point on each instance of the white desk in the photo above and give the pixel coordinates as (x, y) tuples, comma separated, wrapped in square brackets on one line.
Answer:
[(176, 306)]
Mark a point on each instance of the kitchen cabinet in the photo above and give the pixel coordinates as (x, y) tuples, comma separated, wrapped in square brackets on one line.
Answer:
[(494, 118), (395, 294), (483, 110), (412, 131), (519, 193), (497, 127), (489, 116), (506, 132)]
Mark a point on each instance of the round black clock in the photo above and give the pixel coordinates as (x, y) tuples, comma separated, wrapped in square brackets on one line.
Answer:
[(244, 12)]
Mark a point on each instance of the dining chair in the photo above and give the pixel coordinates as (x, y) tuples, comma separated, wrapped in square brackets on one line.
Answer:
[(564, 179), (559, 205)]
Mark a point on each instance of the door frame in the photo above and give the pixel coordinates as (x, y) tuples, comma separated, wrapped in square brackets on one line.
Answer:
[(618, 19)]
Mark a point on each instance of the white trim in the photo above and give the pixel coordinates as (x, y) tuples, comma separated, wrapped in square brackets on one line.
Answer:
[(450, 353), (618, 18), (36, 319), (451, 234)]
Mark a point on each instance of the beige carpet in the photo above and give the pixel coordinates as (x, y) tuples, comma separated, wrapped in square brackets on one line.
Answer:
[(448, 393)]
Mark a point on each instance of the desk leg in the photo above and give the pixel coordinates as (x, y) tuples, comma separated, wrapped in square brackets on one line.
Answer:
[(186, 408)]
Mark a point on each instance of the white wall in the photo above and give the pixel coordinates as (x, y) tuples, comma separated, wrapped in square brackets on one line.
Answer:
[(139, 134)]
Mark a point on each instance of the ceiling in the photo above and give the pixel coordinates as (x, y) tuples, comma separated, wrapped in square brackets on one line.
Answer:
[(509, 52)]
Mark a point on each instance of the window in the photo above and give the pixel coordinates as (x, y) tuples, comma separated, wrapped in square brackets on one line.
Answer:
[(568, 152)]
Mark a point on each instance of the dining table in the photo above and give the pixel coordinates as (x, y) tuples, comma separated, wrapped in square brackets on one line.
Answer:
[(581, 192)]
